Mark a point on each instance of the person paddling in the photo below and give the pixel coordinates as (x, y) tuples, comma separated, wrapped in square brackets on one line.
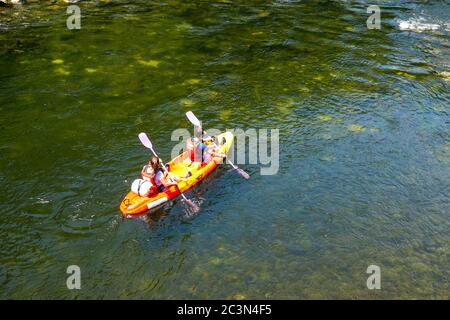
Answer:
[(146, 186), (148, 171), (160, 178), (202, 149), (194, 146)]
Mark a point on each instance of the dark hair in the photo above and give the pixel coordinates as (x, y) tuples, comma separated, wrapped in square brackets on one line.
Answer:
[(155, 162)]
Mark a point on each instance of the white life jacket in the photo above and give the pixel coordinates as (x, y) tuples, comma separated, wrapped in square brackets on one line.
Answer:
[(143, 188)]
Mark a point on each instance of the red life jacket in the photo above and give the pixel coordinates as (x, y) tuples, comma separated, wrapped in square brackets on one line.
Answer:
[(153, 189)]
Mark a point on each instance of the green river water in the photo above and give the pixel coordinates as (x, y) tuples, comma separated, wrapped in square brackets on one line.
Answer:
[(364, 171)]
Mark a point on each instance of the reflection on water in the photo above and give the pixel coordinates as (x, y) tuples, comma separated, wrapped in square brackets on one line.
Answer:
[(364, 149)]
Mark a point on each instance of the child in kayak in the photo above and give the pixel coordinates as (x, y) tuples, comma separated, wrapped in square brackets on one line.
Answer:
[(160, 178), (194, 146), (154, 179), (148, 171), (203, 147), (146, 186), (212, 150)]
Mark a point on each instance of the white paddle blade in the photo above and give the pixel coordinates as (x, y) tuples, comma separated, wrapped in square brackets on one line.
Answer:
[(193, 119), (243, 174), (145, 140)]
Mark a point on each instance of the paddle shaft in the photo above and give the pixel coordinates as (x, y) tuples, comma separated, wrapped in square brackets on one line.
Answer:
[(231, 163)]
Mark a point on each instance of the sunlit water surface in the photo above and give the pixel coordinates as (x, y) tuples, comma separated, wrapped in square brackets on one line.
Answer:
[(364, 173)]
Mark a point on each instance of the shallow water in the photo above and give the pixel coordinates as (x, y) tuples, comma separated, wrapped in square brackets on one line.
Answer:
[(364, 149)]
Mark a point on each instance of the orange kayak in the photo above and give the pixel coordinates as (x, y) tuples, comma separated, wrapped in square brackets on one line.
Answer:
[(134, 204)]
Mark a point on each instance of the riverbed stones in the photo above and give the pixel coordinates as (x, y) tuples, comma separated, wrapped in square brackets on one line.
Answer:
[(149, 63), (356, 128), (324, 117)]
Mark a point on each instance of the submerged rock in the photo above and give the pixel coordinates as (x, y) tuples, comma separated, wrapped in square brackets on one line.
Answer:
[(356, 128), (239, 296), (62, 71), (150, 63), (325, 117), (191, 82), (327, 158), (187, 102), (225, 114)]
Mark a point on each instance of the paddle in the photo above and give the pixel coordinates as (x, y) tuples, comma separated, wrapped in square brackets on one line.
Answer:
[(193, 119), (243, 174), (148, 144)]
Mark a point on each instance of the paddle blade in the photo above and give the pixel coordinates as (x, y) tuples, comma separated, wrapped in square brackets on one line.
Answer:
[(145, 140), (193, 119), (190, 207), (243, 174), (193, 208)]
